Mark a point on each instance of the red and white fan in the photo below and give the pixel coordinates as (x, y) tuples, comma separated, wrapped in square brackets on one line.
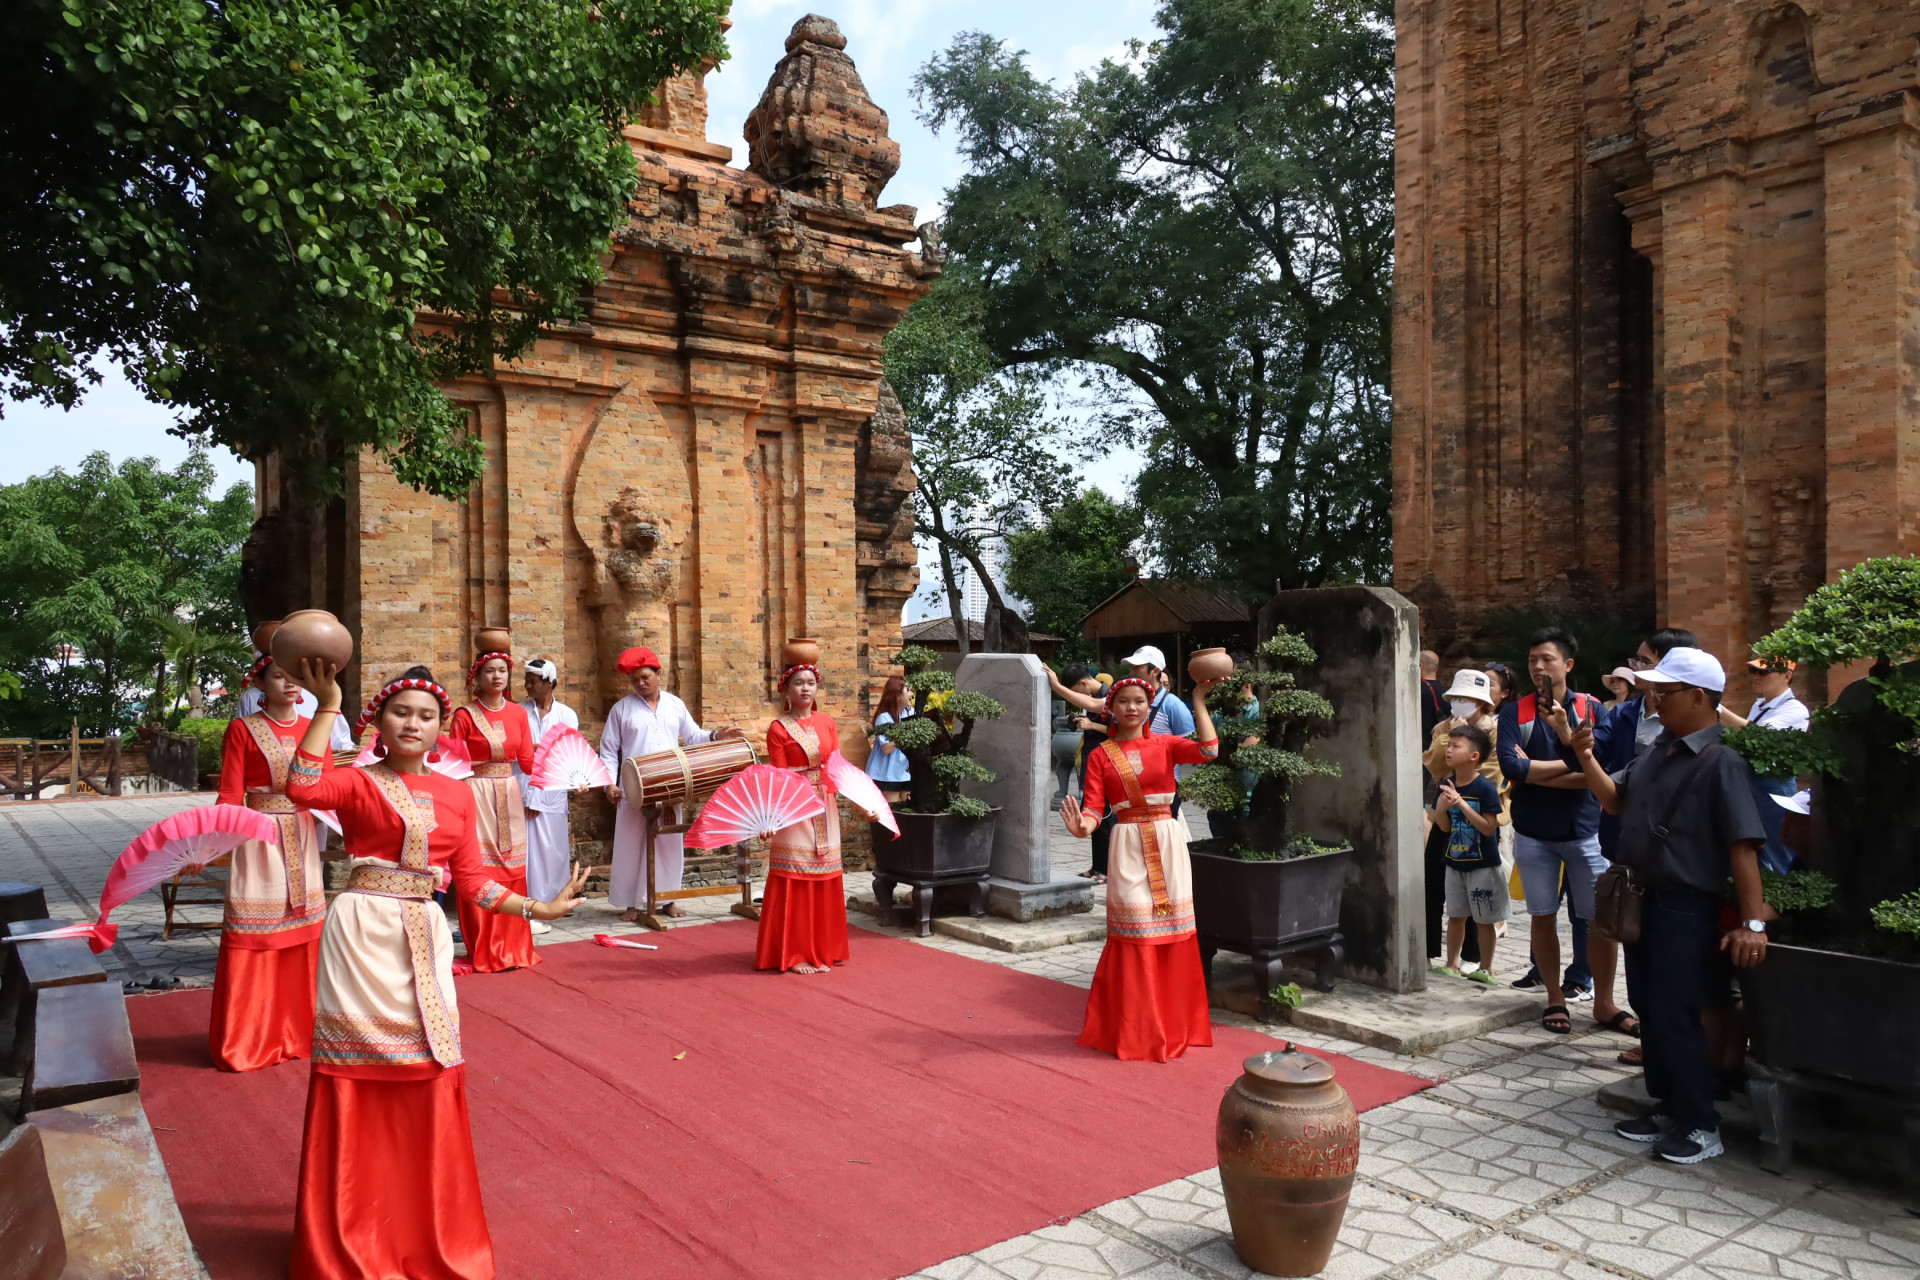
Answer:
[(187, 841), (759, 799), (853, 783), (449, 756), (566, 761)]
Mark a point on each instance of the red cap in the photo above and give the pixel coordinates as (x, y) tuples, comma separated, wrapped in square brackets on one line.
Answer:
[(634, 659)]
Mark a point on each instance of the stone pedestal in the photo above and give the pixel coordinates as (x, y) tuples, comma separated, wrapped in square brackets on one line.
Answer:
[(1017, 748)]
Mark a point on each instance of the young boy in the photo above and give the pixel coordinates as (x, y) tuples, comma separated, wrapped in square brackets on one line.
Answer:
[(1469, 810)]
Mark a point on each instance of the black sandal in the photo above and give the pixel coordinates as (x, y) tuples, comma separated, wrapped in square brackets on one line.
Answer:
[(1559, 1012), (1614, 1024)]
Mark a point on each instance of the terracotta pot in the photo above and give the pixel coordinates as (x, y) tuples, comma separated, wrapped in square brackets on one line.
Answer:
[(799, 651), (492, 640), (1289, 1141), (263, 635), (1210, 664), (311, 633)]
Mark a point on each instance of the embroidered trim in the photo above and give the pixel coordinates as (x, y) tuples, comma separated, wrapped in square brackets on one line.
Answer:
[(362, 1040), (492, 769), (392, 882), (491, 896), (496, 735), (266, 740), (401, 686), (1149, 838), (1146, 922), (304, 772), (441, 1026)]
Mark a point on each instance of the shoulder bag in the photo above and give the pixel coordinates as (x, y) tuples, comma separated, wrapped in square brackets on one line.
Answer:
[(1617, 894)]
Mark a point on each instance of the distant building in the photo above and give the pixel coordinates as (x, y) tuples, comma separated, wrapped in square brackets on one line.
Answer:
[(1175, 617), (937, 634)]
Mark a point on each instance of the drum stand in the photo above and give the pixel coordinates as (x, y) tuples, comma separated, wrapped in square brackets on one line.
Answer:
[(742, 866)]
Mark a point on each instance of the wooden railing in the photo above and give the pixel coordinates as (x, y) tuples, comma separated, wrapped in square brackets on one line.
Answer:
[(95, 766)]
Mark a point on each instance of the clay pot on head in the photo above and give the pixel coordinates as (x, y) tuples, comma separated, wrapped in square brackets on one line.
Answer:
[(1289, 1141), (492, 640), (800, 651), (1210, 664), (263, 636), (311, 633)]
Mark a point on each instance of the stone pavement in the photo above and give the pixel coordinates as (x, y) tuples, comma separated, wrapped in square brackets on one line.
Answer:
[(1507, 1169)]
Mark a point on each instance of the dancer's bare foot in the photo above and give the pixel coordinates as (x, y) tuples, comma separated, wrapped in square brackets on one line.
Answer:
[(672, 911), (631, 915), (808, 968)]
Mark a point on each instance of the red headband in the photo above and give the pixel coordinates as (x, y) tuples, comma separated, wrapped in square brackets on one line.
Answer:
[(402, 686), (798, 666), (264, 661), (1135, 682), (473, 672)]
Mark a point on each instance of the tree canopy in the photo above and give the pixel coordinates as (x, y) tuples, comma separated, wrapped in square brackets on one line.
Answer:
[(1206, 232), (292, 218), (985, 449), (102, 571), (1064, 565)]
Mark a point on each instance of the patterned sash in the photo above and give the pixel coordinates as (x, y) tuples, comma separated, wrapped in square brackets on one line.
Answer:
[(285, 815), (1141, 813), (443, 1034), (809, 742), (496, 792), (495, 735)]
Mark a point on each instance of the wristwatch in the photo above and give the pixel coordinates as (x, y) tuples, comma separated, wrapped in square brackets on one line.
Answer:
[(1757, 926)]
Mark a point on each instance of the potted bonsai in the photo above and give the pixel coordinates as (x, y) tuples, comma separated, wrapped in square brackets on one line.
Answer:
[(943, 833), (1260, 887), (1838, 997)]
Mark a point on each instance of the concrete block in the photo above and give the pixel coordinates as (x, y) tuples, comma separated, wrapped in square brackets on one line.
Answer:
[(1017, 747)]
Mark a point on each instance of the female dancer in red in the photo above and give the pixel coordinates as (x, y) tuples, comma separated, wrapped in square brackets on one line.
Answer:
[(276, 900), (388, 1185), (1149, 997), (803, 918), (496, 734)]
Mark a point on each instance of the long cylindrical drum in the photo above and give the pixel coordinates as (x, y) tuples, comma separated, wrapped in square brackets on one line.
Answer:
[(691, 773)]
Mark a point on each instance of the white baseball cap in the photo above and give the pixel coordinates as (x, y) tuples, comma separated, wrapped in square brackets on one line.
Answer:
[(1688, 666), (1800, 802), (1471, 684), (1146, 656)]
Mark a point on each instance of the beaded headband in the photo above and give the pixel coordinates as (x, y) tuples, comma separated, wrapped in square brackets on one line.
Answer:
[(260, 664), (473, 672), (798, 666), (402, 686), (1128, 682)]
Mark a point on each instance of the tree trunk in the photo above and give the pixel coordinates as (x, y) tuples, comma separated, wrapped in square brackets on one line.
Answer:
[(956, 606), (1005, 630)]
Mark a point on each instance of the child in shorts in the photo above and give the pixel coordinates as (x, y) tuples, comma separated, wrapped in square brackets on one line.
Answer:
[(1469, 811)]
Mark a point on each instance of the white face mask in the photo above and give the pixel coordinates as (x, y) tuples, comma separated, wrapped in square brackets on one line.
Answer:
[(1465, 708)]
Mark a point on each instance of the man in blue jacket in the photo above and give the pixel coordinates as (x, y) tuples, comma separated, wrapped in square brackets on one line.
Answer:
[(1556, 820)]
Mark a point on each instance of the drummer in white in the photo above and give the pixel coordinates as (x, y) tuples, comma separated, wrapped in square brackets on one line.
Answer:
[(548, 849), (648, 720)]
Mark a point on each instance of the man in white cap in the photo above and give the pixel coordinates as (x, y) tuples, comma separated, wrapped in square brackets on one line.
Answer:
[(1688, 822), (548, 843), (1169, 715)]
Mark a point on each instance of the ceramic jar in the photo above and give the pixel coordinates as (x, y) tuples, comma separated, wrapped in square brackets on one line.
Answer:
[(311, 633), (263, 636), (492, 640), (1289, 1141), (1210, 664), (800, 651)]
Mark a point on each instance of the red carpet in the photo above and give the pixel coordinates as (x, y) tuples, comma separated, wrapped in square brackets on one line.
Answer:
[(676, 1114)]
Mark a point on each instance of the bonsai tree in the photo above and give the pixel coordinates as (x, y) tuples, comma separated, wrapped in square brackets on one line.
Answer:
[(1289, 717), (935, 737), (1863, 752)]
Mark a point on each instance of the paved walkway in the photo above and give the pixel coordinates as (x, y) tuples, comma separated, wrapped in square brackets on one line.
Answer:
[(1509, 1169)]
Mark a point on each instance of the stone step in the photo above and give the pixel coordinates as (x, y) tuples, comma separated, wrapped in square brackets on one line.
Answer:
[(1013, 936), (1413, 1022)]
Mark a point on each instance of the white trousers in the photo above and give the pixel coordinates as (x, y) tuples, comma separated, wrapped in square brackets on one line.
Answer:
[(628, 886), (547, 854)]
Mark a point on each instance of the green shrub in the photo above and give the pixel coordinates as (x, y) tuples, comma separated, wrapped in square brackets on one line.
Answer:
[(935, 738), (1796, 890), (1899, 915), (210, 734)]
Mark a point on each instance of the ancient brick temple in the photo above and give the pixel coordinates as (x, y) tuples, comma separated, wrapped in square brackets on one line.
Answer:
[(1657, 313), (707, 464)]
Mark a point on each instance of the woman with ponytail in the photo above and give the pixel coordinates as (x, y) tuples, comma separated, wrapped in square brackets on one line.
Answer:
[(388, 1185)]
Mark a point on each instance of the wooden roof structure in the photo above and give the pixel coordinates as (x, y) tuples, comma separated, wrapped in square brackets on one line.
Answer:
[(1167, 606)]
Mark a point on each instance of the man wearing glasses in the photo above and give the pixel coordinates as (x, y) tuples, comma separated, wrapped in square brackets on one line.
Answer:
[(1774, 707)]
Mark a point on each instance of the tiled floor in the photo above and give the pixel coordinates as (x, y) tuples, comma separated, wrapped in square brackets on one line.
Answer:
[(1508, 1169)]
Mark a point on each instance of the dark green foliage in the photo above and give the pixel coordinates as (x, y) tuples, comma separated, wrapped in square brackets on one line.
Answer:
[(1205, 234), (1899, 915), (246, 203), (1796, 890), (1870, 613), (1070, 562), (934, 739), (211, 734), (1787, 753), (115, 562)]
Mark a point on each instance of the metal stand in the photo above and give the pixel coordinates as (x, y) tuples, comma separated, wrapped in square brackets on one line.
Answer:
[(1327, 948), (885, 882), (742, 866)]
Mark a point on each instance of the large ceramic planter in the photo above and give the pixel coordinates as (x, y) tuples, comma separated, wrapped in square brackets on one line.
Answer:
[(1267, 910), (935, 846), (1846, 1017)]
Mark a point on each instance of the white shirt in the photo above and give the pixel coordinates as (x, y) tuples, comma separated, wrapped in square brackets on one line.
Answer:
[(251, 700), (558, 713), (1783, 712), (635, 729)]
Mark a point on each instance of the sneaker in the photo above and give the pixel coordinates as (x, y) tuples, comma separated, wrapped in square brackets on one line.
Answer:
[(1531, 982), (539, 926), (1482, 977), (1691, 1147), (1579, 995), (1644, 1128)]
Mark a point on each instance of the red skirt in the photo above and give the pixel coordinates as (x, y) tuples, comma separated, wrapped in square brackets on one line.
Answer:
[(1149, 1000), (496, 942), (263, 1004), (388, 1186), (803, 920)]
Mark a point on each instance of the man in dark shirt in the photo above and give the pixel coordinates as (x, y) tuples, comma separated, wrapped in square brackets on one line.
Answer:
[(1688, 821)]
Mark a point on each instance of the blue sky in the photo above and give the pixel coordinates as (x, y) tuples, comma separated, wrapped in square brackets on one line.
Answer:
[(888, 40)]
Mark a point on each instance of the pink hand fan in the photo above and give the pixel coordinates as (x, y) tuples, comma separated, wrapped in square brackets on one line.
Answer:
[(187, 841), (859, 790), (566, 762), (758, 799), (449, 756), (608, 940)]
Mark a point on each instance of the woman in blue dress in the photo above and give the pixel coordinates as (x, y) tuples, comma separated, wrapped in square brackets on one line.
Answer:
[(886, 763)]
